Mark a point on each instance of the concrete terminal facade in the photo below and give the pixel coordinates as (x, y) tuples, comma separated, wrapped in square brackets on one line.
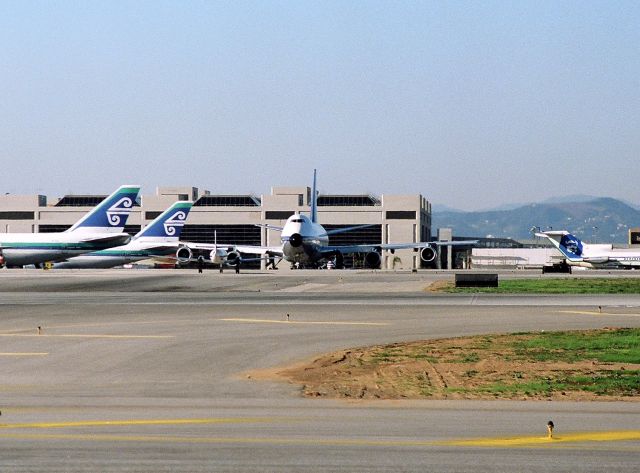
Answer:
[(232, 218)]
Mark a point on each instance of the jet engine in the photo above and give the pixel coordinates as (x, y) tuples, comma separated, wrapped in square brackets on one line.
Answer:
[(295, 240), (184, 254), (233, 258), (427, 254), (597, 260), (372, 259)]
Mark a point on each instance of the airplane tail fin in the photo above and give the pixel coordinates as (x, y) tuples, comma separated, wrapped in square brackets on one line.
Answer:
[(168, 225), (314, 200), (110, 215), (569, 245)]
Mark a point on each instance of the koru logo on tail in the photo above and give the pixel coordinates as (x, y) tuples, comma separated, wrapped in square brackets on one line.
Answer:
[(120, 209), (176, 220)]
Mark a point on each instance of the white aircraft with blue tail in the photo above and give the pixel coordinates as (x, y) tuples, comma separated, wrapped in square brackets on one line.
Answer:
[(593, 256), (159, 239), (100, 228)]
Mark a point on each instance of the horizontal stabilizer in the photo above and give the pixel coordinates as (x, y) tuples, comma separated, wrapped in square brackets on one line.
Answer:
[(115, 238)]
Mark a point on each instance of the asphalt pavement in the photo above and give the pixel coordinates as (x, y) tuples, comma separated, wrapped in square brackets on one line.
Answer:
[(148, 371)]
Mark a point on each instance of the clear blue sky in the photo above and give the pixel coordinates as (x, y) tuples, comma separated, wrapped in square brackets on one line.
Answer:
[(472, 104)]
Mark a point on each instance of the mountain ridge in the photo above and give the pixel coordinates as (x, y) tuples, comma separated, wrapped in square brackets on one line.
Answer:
[(601, 219)]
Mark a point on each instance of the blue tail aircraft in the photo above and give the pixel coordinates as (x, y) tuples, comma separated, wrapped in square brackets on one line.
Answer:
[(101, 228), (156, 240), (602, 256)]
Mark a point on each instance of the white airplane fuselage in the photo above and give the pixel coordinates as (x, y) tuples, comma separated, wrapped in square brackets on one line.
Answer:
[(33, 248), (302, 240), (132, 252), (593, 256)]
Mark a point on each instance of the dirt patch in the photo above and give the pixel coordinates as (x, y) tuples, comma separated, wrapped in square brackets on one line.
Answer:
[(483, 367), (439, 286)]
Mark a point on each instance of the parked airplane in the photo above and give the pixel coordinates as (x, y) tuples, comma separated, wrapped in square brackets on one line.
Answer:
[(600, 256), (215, 253), (158, 239), (101, 228), (305, 242)]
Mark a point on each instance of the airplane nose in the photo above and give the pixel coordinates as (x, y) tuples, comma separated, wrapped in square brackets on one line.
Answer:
[(295, 240)]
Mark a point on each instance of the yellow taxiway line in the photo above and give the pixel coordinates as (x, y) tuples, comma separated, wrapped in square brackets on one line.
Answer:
[(525, 442), (103, 423), (563, 440), (595, 312), (97, 324), (607, 436), (292, 322)]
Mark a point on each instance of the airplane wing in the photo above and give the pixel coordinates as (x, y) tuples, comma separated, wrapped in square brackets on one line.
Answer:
[(204, 246), (348, 229), (269, 226), (346, 249), (259, 250)]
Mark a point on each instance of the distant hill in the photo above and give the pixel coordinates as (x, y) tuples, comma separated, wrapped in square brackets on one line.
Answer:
[(605, 218)]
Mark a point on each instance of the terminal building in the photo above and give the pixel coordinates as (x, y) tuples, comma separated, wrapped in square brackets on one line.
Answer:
[(232, 219)]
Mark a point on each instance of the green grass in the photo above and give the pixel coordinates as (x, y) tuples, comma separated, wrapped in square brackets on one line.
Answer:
[(618, 349), (602, 382), (558, 286), (608, 346)]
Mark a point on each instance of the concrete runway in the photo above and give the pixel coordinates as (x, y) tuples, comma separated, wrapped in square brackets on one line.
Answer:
[(146, 371)]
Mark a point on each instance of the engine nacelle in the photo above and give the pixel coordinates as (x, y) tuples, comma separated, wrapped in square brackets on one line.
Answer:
[(184, 254), (428, 254), (597, 260), (373, 259), (295, 240), (233, 258)]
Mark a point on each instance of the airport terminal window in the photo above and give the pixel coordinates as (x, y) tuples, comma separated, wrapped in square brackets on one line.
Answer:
[(347, 200), (150, 215), (48, 228), (224, 234), (278, 214), (83, 201), (362, 236), (80, 200), (132, 229), (401, 215), (52, 228), (17, 215), (227, 201)]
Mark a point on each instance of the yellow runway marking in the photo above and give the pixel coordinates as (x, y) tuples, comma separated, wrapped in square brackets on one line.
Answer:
[(525, 442), (592, 312), (220, 440), (612, 436), (23, 354), (80, 335), (293, 322), (101, 324), (103, 423)]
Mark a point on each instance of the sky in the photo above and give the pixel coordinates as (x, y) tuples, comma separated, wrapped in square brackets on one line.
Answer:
[(471, 104)]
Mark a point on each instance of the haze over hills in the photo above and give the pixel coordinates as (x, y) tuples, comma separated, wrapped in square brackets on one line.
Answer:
[(601, 218)]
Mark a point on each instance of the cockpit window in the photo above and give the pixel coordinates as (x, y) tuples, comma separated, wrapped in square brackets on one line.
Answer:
[(297, 220)]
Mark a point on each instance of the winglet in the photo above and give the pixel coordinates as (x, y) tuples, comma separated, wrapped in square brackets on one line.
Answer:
[(314, 200), (111, 214), (168, 225)]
